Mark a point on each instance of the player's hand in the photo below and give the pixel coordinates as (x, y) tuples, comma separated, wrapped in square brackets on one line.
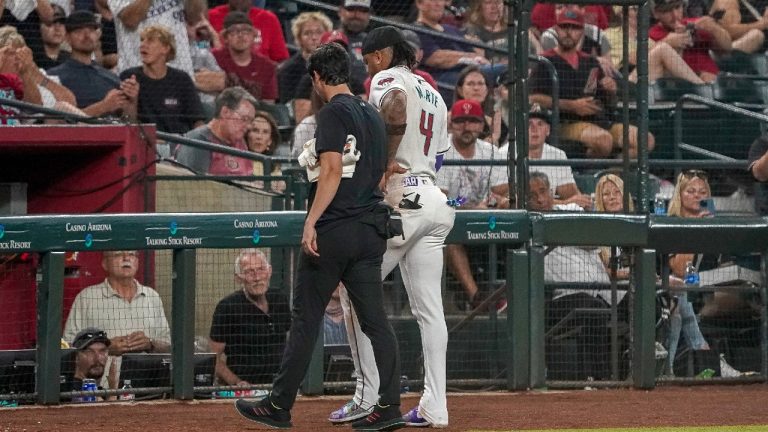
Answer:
[(392, 168), (309, 241)]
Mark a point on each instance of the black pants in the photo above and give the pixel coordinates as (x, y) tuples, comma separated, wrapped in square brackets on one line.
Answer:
[(351, 253)]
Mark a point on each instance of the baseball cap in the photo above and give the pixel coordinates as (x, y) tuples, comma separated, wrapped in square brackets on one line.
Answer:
[(236, 17), (570, 16), (538, 111), (380, 38), (88, 336), (81, 19), (412, 38), (357, 4), (665, 5), (59, 15), (466, 109), (334, 36)]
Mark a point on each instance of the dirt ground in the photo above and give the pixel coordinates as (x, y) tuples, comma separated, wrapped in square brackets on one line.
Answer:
[(664, 406)]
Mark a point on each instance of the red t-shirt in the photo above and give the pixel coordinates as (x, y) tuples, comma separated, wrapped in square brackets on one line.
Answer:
[(224, 164), (543, 16), (259, 77), (272, 40), (11, 87), (697, 56)]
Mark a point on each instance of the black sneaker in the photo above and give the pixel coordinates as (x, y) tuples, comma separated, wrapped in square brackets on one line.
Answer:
[(383, 418), (264, 412)]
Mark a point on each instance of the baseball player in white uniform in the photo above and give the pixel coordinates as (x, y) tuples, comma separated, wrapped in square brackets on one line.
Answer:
[(417, 128)]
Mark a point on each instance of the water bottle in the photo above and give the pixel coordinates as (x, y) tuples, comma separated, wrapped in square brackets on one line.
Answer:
[(127, 394), (659, 206), (691, 276)]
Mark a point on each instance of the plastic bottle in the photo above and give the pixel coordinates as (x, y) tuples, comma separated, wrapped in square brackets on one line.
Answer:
[(659, 206), (691, 275), (127, 394)]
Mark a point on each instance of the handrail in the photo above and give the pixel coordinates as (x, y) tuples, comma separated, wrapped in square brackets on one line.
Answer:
[(678, 126)]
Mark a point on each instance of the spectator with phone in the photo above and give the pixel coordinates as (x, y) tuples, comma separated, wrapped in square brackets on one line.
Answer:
[(745, 24), (693, 38)]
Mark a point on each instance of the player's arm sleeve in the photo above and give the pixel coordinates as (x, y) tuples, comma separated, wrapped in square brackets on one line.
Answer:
[(443, 146), (381, 84)]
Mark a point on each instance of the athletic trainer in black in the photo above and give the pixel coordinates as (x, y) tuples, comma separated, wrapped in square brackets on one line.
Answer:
[(383, 418), (264, 412)]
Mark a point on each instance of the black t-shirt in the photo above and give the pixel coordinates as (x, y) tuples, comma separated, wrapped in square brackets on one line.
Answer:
[(349, 115), (29, 28), (90, 83), (584, 81), (254, 340), (171, 102), (43, 61), (289, 75), (756, 151)]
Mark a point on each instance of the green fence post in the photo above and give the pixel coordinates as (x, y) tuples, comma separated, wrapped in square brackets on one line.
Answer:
[(183, 323), (50, 297), (644, 329), (536, 308), (518, 328)]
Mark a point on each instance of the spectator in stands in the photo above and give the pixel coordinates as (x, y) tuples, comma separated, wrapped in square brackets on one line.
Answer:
[(584, 117), (249, 326), (354, 17), (134, 15), (334, 329), (609, 198), (106, 54), (234, 112), (543, 16), (444, 58), (358, 76), (305, 130), (746, 25), (240, 59), (570, 264), (263, 137), (488, 23), (593, 41), (307, 30), (693, 37), (473, 85), (97, 90), (663, 60), (26, 16), (168, 97), (129, 311), (267, 27), (560, 178), (52, 36), (92, 345), (692, 186), (758, 167), (209, 77), (16, 61), (482, 186)]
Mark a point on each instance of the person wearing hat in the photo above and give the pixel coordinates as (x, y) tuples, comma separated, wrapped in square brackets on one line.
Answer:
[(482, 187), (416, 119), (241, 62), (97, 91), (354, 18), (92, 345), (561, 180), (343, 241), (52, 36), (584, 91), (413, 40), (26, 16), (264, 21), (693, 37)]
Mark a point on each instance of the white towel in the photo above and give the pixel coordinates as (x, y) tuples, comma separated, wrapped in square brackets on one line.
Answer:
[(350, 156)]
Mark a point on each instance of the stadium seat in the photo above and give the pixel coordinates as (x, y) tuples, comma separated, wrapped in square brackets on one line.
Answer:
[(730, 89), (672, 89)]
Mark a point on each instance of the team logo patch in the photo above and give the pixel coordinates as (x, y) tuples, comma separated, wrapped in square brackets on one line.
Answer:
[(385, 81)]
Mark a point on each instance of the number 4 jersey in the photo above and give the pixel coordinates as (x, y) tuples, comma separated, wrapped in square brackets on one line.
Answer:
[(426, 133)]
